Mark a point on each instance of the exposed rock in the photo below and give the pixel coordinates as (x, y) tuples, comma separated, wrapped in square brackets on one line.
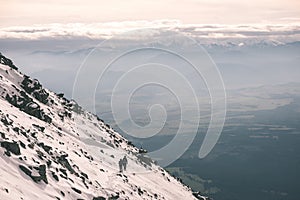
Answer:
[(45, 147), (99, 198), (40, 128), (55, 176), (8, 62), (199, 196), (34, 88), (6, 120), (26, 104), (3, 135), (76, 190), (64, 162), (12, 147), (41, 170)]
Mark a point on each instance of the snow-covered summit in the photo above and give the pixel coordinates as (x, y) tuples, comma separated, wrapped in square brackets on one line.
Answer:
[(52, 149)]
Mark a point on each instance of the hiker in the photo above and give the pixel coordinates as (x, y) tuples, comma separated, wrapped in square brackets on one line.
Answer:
[(124, 163), (121, 165)]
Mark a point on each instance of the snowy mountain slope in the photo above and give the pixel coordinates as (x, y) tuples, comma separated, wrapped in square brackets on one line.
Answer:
[(52, 149)]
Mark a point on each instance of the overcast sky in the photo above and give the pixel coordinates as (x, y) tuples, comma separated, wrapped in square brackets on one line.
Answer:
[(20, 12), (53, 33)]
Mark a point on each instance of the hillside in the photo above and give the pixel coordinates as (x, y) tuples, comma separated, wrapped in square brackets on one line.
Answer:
[(52, 149)]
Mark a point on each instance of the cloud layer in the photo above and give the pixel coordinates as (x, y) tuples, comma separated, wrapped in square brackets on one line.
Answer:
[(205, 32)]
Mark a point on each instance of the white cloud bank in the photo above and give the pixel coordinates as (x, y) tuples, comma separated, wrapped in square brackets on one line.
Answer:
[(276, 32)]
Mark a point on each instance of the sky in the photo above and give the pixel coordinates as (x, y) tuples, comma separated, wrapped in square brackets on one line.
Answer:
[(29, 12), (34, 19), (57, 34)]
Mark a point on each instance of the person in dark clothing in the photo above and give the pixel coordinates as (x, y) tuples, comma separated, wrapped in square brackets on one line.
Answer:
[(121, 165), (124, 162)]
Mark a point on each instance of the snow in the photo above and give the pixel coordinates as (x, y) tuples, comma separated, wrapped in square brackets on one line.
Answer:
[(93, 150)]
